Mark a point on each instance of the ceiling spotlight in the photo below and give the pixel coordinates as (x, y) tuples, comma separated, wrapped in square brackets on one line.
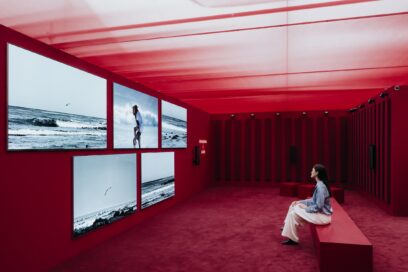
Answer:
[(326, 113), (370, 101), (397, 88), (353, 109), (278, 114), (252, 115), (383, 94), (232, 115), (304, 113), (361, 106)]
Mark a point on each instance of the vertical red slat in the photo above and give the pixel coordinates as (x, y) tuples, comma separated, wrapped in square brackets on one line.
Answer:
[(370, 140), (268, 154), (320, 139), (365, 150), (382, 155), (237, 150), (287, 136), (331, 148), (278, 145), (303, 144), (360, 148), (248, 150), (299, 148), (273, 150), (387, 152), (375, 131), (216, 124), (227, 150), (258, 150), (310, 147)]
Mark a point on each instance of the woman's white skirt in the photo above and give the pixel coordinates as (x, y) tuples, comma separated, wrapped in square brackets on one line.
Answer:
[(297, 216)]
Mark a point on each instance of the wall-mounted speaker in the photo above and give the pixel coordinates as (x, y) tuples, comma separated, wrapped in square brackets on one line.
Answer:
[(371, 156), (292, 154), (197, 155)]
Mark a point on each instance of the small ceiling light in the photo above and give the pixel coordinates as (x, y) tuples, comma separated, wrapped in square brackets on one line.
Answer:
[(252, 115), (232, 116), (397, 88), (278, 114), (383, 94), (361, 106), (304, 113), (371, 100), (326, 113), (353, 109)]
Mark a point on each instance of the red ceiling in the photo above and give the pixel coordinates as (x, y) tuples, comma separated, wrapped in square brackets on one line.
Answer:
[(233, 56)]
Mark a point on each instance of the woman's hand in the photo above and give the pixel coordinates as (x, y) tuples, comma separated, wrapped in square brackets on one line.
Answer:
[(302, 206)]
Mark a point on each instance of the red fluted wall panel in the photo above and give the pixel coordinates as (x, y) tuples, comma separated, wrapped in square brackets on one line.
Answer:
[(267, 140), (381, 122)]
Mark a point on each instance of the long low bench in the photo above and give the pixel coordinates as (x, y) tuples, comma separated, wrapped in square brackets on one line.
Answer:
[(341, 246)]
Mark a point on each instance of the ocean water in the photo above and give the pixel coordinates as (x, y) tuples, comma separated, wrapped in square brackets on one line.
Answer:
[(174, 132), (39, 129), (85, 223), (157, 190)]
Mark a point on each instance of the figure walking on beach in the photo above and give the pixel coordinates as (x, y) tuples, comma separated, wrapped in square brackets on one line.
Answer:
[(137, 130)]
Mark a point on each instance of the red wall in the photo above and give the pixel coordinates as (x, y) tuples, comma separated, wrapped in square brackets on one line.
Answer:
[(257, 150), (36, 187), (382, 123)]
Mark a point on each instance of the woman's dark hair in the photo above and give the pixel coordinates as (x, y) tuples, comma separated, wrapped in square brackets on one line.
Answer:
[(322, 175)]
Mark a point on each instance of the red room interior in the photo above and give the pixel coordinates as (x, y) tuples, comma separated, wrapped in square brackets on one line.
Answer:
[(271, 87)]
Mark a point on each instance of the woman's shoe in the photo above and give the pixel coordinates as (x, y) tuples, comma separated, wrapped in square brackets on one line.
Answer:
[(289, 242)]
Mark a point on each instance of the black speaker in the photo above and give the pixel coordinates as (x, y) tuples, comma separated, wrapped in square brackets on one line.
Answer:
[(371, 156), (292, 155), (197, 155)]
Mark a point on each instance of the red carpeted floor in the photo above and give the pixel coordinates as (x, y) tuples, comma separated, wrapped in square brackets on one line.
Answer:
[(236, 229)]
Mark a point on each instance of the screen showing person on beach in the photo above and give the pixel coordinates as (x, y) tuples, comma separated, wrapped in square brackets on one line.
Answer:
[(135, 119), (174, 126), (52, 105), (157, 177), (104, 190)]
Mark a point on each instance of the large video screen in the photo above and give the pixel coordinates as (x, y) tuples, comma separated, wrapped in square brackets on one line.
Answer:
[(104, 190), (135, 119), (52, 105), (174, 126), (157, 177)]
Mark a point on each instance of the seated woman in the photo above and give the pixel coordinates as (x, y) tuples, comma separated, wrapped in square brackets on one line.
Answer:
[(316, 210)]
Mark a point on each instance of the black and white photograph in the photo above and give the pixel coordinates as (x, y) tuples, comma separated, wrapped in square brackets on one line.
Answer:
[(104, 190), (157, 177), (174, 126), (135, 119), (52, 105)]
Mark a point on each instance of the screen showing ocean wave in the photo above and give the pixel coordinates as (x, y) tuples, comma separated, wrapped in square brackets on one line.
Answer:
[(85, 223), (39, 129), (174, 132), (157, 190)]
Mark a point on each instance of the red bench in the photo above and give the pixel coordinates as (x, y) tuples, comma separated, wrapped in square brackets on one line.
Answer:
[(341, 246)]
